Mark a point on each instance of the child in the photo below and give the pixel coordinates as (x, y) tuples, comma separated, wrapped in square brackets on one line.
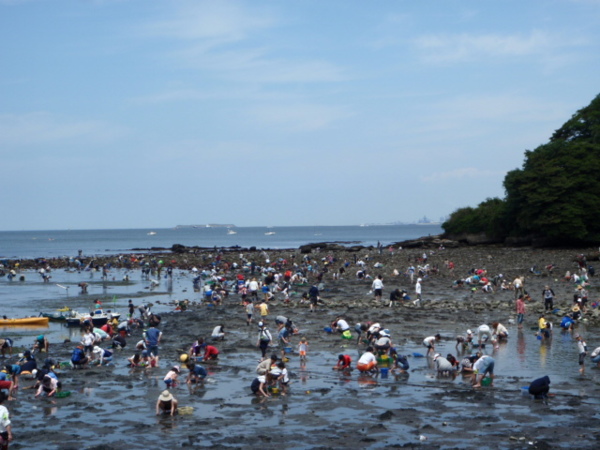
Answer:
[(582, 346), (171, 377), (280, 374), (344, 363), (303, 349)]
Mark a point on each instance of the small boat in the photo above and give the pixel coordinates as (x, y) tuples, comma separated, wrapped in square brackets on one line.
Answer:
[(59, 316), (269, 233), (99, 318), (231, 232), (24, 321), (151, 233)]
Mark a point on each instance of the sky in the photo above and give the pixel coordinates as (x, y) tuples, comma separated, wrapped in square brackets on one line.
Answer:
[(137, 114)]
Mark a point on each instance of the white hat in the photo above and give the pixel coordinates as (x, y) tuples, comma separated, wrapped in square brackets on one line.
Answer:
[(469, 332), (97, 349), (166, 396), (436, 356)]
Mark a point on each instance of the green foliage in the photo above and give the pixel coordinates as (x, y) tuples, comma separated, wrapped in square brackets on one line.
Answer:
[(556, 195)]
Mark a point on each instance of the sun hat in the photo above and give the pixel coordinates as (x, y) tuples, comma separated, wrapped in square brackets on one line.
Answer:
[(97, 349), (436, 356), (469, 332), (176, 368), (166, 396)]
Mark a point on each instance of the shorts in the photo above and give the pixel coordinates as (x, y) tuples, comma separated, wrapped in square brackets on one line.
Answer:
[(168, 382), (581, 358), (427, 344), (153, 349), (488, 368), (378, 292), (5, 384), (302, 352), (249, 316), (313, 301), (520, 318), (366, 367)]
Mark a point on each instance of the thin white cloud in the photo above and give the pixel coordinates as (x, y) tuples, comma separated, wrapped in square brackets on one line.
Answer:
[(220, 37), (43, 127), (462, 174), (298, 117), (451, 48)]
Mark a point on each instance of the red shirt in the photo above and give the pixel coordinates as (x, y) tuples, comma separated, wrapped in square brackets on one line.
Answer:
[(344, 362), (210, 351)]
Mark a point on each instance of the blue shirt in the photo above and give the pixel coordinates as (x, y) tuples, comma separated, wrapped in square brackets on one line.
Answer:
[(152, 336)]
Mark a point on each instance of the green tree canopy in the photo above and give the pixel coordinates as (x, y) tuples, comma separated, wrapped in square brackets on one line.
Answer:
[(555, 195)]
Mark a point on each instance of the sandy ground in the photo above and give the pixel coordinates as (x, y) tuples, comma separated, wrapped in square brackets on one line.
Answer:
[(113, 407)]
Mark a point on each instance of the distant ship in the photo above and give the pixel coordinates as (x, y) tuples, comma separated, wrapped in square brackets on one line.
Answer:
[(151, 233), (230, 231), (269, 233)]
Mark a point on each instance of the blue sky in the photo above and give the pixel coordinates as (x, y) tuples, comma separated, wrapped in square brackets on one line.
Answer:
[(129, 113)]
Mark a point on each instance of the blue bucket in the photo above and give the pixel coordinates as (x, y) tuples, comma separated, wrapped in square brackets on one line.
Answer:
[(287, 349), (327, 330), (384, 372)]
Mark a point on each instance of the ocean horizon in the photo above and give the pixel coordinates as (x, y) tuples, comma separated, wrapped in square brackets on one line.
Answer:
[(68, 243)]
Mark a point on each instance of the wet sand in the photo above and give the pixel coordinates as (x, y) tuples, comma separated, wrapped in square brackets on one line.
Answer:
[(113, 407)]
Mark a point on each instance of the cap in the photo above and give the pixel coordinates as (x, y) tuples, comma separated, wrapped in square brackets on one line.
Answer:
[(469, 332), (436, 356)]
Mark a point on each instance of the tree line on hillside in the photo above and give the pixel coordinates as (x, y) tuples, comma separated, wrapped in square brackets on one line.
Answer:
[(554, 199)]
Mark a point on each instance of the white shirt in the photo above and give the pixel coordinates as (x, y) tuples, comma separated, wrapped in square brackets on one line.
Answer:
[(366, 358), (342, 325), (4, 418), (377, 284)]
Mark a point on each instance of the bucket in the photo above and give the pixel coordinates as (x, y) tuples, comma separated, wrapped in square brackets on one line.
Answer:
[(274, 390), (62, 394), (288, 349), (327, 330), (384, 372), (486, 381), (347, 335)]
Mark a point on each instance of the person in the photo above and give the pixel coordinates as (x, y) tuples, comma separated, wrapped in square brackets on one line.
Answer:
[(521, 311), (6, 344), (582, 347), (500, 333), (442, 365), (367, 363), (103, 355), (249, 312), (340, 325), (464, 341), (430, 341), (264, 338), (265, 365), (166, 404), (548, 298), (395, 296), (567, 323), (78, 357), (7, 385), (303, 349), (14, 370), (210, 353), (596, 356), (218, 333), (27, 362), (541, 324), (170, 378), (135, 360), (259, 385), (284, 340), (153, 336), (314, 297), (466, 364), (377, 287), (344, 363), (400, 361), (518, 286), (418, 290), (483, 334), (360, 328), (540, 387), (130, 309), (196, 374), (384, 342), (280, 375), (482, 367), (41, 344), (48, 386), (6, 435), (263, 307)]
